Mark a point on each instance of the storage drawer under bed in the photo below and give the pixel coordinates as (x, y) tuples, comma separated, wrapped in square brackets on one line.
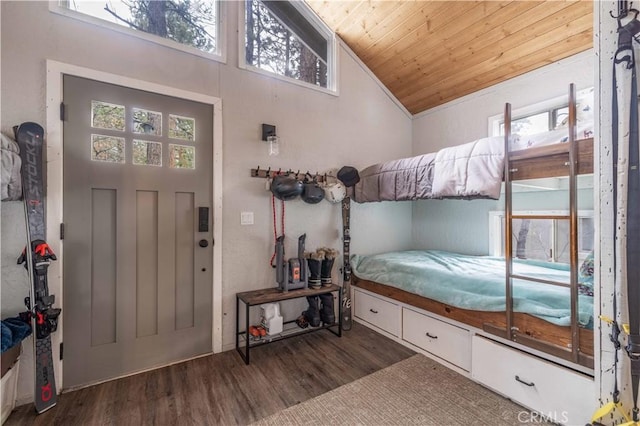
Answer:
[(554, 391), (381, 313), (446, 341)]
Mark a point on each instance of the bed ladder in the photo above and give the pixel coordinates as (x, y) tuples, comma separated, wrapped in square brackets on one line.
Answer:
[(511, 332)]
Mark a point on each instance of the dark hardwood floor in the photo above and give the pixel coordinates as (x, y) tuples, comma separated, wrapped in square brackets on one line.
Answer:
[(221, 389)]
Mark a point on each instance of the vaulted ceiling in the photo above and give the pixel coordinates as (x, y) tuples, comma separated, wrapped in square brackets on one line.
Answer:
[(430, 52)]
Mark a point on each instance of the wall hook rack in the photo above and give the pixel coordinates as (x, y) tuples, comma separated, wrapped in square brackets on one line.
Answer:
[(260, 172)]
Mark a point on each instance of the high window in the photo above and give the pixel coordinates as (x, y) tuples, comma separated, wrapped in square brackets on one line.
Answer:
[(546, 116), (538, 122), (191, 25), (286, 39)]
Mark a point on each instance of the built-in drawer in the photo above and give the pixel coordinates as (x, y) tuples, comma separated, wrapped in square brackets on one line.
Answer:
[(557, 392), (451, 343), (376, 311)]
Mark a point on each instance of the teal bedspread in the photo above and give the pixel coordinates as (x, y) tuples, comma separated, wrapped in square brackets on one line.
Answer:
[(476, 282)]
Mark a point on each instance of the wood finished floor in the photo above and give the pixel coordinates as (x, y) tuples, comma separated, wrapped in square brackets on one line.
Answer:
[(221, 389)]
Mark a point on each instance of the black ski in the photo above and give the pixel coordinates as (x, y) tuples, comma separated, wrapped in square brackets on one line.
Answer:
[(346, 270), (633, 246), (36, 257)]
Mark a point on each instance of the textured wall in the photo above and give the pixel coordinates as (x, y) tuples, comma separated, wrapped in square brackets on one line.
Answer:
[(319, 132)]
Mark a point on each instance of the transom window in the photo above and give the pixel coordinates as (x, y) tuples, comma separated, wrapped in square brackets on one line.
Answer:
[(193, 24), (286, 39)]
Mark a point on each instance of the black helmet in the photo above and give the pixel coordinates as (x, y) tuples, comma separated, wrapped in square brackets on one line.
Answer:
[(312, 193), (285, 187)]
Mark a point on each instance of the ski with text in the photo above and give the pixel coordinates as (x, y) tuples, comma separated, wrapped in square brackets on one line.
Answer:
[(36, 257), (346, 270)]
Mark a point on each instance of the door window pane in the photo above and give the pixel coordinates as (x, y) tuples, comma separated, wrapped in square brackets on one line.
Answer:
[(147, 122), (182, 157), (147, 153), (107, 148), (182, 127), (107, 116)]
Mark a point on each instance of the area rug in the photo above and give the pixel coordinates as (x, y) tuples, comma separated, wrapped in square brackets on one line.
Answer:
[(416, 391)]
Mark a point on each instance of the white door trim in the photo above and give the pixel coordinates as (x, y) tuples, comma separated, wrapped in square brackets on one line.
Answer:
[(54, 138)]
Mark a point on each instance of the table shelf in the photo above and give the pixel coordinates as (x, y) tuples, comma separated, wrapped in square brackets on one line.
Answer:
[(290, 328)]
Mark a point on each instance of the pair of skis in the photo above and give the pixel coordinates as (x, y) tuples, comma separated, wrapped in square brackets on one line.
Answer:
[(36, 257), (346, 269), (626, 205)]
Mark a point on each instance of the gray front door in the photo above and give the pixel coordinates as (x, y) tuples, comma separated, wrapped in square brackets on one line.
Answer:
[(137, 205)]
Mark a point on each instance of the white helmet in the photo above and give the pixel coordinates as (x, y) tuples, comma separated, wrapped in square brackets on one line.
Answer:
[(335, 192)]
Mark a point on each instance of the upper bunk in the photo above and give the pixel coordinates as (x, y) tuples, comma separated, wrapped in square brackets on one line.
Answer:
[(477, 169)]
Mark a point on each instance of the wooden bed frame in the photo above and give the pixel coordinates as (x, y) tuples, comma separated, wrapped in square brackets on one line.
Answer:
[(529, 327)]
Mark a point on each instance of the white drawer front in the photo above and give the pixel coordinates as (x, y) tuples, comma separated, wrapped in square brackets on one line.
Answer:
[(446, 341), (382, 314), (566, 396)]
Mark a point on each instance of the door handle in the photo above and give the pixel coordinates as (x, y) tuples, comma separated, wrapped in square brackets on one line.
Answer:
[(203, 243)]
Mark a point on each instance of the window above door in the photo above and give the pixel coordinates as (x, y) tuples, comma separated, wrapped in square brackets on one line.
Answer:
[(193, 26), (287, 40)]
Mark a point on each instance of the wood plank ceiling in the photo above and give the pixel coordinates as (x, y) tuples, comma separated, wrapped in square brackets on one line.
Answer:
[(431, 52)]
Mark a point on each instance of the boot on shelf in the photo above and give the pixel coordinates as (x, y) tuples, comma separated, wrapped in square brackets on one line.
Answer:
[(327, 314), (312, 314), (327, 264), (315, 263)]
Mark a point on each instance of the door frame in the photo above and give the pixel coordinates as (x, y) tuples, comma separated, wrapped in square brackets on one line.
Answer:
[(54, 158)]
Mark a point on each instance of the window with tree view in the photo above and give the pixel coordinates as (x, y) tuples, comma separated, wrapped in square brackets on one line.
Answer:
[(192, 23), (281, 40), (548, 239)]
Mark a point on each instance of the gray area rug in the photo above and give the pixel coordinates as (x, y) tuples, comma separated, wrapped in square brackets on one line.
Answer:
[(416, 391)]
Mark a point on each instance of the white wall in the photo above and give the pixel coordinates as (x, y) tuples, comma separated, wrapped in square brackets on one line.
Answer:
[(462, 226), (320, 132)]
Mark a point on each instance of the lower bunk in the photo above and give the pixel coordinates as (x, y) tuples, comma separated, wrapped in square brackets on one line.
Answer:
[(550, 390), (465, 328)]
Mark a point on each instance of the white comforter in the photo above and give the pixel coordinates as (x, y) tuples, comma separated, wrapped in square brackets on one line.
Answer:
[(471, 170)]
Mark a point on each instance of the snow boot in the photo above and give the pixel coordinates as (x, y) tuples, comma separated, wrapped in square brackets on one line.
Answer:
[(326, 311), (315, 263), (327, 265), (312, 315)]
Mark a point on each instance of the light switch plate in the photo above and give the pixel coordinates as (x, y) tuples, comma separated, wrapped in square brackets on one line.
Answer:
[(246, 218)]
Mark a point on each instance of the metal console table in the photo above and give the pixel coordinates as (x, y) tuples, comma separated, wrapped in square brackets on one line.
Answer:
[(290, 329)]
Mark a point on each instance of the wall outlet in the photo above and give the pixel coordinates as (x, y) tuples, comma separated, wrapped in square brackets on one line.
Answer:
[(246, 218)]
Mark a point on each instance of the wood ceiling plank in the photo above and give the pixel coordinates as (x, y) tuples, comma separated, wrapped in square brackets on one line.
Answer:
[(371, 16), (333, 13), (356, 14), (486, 32), (394, 21), (430, 16), (440, 27), (509, 58), (562, 23), (464, 85)]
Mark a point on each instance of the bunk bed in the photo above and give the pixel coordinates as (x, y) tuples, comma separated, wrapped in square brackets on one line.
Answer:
[(569, 338)]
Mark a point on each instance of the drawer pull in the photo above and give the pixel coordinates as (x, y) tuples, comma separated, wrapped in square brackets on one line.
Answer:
[(375, 312), (530, 384), (431, 336)]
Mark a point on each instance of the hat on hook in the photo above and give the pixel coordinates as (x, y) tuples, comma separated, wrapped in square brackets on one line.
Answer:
[(312, 193), (349, 176), (285, 187), (335, 192)]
